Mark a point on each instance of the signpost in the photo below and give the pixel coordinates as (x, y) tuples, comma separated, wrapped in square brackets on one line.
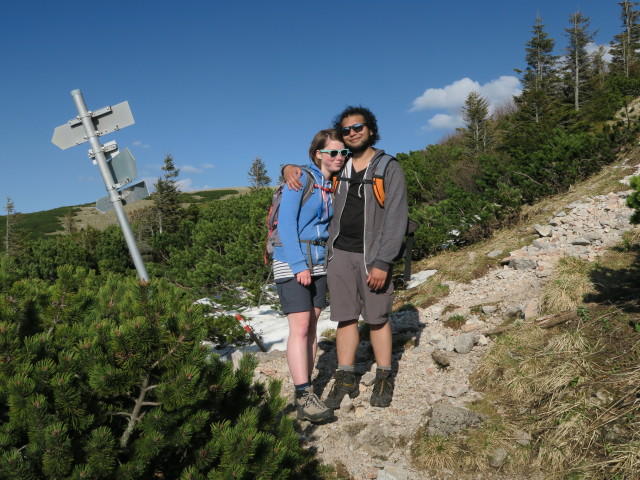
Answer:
[(87, 127)]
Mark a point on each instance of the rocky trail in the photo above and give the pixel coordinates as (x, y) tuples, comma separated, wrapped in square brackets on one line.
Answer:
[(367, 442)]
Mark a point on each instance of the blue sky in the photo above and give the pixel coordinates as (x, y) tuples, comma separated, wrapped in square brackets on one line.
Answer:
[(218, 83)]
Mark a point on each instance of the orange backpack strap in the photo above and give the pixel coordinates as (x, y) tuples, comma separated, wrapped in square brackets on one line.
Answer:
[(378, 177), (377, 180), (378, 190), (338, 177)]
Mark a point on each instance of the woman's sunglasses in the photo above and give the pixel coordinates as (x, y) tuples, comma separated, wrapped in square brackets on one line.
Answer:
[(334, 153)]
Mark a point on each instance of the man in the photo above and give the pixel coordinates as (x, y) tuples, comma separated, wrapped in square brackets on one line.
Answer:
[(364, 239)]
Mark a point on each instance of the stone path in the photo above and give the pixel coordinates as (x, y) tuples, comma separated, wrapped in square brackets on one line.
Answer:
[(373, 443)]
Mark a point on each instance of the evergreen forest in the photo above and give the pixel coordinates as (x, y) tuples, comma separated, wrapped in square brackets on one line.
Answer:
[(106, 377)]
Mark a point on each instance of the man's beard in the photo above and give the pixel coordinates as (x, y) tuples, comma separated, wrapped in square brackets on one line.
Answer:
[(361, 148)]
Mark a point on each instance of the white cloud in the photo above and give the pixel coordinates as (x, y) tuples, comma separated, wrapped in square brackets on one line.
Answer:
[(441, 121), (448, 97), (139, 143), (185, 184), (451, 98), (593, 47), (500, 90), (190, 169), (207, 165)]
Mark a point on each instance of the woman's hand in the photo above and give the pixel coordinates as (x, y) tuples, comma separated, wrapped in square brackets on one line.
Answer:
[(291, 175), (304, 278)]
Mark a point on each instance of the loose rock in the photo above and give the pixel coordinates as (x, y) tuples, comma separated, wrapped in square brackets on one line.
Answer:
[(441, 358), (498, 458)]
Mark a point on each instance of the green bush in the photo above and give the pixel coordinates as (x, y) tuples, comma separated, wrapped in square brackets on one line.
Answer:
[(633, 201), (105, 378), (226, 247)]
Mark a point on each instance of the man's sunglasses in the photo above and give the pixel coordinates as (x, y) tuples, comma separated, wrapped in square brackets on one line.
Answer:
[(357, 127), (334, 153)]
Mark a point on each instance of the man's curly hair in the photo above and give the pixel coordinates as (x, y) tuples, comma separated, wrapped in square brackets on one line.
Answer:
[(369, 119)]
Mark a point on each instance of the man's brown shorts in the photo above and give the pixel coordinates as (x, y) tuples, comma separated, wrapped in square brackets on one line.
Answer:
[(349, 294)]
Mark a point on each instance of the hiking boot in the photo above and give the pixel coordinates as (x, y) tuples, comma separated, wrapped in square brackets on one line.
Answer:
[(311, 408), (382, 389), (344, 384)]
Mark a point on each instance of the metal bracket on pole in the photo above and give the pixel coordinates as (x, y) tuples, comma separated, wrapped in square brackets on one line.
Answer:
[(106, 148), (87, 126)]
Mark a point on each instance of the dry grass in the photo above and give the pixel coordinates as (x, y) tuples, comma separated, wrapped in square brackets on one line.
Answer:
[(576, 387), (575, 390), (627, 460), (570, 284), (329, 335), (455, 322), (435, 453), (470, 451)]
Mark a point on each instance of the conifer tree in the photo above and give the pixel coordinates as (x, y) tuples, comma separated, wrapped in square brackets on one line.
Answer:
[(477, 134), (597, 106), (538, 106), (107, 378), (577, 66), (540, 73), (10, 210), (257, 175), (15, 237), (68, 222), (167, 197), (625, 47)]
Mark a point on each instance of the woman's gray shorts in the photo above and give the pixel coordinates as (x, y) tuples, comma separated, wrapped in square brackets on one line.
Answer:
[(349, 294), (295, 297)]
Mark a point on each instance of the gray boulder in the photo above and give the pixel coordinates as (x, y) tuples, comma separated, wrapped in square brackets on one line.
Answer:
[(447, 419), (464, 343), (522, 263)]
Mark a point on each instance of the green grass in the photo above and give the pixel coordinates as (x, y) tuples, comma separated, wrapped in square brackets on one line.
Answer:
[(40, 224), (47, 222)]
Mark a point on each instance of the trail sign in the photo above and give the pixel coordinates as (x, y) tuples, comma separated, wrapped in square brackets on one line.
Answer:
[(122, 166), (128, 195), (105, 120), (87, 127)]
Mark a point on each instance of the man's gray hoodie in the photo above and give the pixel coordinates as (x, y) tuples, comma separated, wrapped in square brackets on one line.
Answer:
[(384, 227)]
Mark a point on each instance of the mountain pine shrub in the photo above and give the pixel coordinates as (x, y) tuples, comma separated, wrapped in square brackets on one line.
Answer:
[(107, 378)]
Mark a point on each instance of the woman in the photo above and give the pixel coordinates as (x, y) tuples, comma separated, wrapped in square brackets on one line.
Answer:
[(299, 266)]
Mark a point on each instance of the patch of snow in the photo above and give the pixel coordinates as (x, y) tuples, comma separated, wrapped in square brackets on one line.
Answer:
[(420, 277)]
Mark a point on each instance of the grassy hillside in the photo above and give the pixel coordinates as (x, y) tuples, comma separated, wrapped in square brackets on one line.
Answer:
[(51, 222), (573, 387), (470, 262), (44, 222)]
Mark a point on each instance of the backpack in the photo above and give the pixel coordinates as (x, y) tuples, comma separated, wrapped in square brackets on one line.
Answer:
[(377, 180), (273, 237), (377, 183)]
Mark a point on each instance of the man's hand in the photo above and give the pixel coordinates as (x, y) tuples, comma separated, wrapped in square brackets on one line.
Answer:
[(304, 278), (376, 279), (292, 175)]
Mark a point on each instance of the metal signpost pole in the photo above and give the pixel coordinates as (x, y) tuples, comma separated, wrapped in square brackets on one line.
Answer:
[(114, 196)]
